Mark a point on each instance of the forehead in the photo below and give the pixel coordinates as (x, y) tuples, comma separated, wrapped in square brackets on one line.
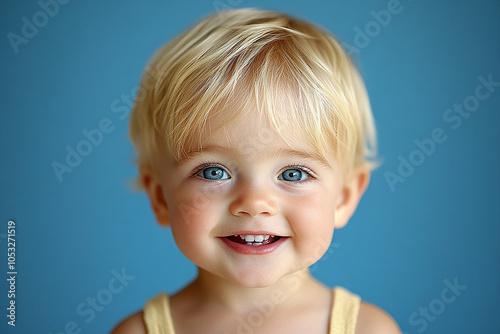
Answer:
[(252, 136), (241, 121), (242, 129), (256, 117), (250, 117)]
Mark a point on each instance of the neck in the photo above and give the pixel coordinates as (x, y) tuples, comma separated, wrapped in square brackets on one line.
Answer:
[(218, 292)]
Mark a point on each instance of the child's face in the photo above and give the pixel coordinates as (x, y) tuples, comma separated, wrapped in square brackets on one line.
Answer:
[(248, 181)]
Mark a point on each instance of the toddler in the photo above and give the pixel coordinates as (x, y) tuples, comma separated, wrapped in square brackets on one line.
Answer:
[(255, 141)]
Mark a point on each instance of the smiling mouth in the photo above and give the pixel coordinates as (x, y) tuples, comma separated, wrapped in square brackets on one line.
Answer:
[(253, 240)]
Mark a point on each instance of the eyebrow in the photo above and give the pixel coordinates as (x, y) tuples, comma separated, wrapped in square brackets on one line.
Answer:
[(315, 156), (204, 149), (305, 155)]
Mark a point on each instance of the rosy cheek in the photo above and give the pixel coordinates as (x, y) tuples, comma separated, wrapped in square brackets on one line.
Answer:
[(188, 224), (312, 220), (194, 213), (188, 203)]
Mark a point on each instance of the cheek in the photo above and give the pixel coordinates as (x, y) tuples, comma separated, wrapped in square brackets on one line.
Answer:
[(193, 215), (312, 220), (190, 205)]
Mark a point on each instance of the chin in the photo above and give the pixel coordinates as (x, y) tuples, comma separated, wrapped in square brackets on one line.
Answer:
[(254, 280)]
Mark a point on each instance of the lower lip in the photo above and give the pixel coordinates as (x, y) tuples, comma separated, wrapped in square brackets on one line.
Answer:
[(253, 250)]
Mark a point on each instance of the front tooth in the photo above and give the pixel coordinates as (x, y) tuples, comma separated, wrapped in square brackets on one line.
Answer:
[(259, 238), (249, 238)]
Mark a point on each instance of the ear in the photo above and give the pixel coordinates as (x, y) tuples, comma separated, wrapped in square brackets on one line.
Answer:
[(154, 190), (353, 190)]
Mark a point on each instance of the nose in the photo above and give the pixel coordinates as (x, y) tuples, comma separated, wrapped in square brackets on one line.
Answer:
[(252, 201)]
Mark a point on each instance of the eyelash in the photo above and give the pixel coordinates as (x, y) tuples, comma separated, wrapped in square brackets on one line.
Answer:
[(305, 169), (302, 168), (201, 167)]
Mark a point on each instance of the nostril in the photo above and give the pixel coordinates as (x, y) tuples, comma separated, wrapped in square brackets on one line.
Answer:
[(253, 214), (248, 205)]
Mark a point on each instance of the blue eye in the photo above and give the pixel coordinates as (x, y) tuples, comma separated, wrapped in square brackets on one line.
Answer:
[(293, 175), (214, 173)]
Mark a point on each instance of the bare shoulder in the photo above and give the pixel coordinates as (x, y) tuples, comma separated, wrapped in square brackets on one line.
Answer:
[(134, 324), (374, 320)]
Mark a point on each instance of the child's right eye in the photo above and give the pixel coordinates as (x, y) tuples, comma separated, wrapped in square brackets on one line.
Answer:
[(213, 173)]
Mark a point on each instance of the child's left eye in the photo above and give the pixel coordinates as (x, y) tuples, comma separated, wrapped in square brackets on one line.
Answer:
[(293, 175), (213, 173)]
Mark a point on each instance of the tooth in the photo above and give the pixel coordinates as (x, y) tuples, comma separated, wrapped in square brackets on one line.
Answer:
[(242, 236), (266, 237), (249, 238), (257, 244), (259, 238)]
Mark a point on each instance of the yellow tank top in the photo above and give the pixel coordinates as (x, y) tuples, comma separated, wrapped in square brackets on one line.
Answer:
[(343, 317)]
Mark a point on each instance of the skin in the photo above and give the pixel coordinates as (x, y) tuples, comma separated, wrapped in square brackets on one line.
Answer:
[(254, 193)]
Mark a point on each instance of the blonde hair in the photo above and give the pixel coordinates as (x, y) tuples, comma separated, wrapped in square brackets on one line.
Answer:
[(296, 74)]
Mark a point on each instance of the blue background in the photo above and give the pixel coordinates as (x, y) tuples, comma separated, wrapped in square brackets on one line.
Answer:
[(84, 64)]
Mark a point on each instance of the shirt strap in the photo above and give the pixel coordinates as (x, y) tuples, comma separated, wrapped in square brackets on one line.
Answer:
[(344, 314), (157, 315)]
